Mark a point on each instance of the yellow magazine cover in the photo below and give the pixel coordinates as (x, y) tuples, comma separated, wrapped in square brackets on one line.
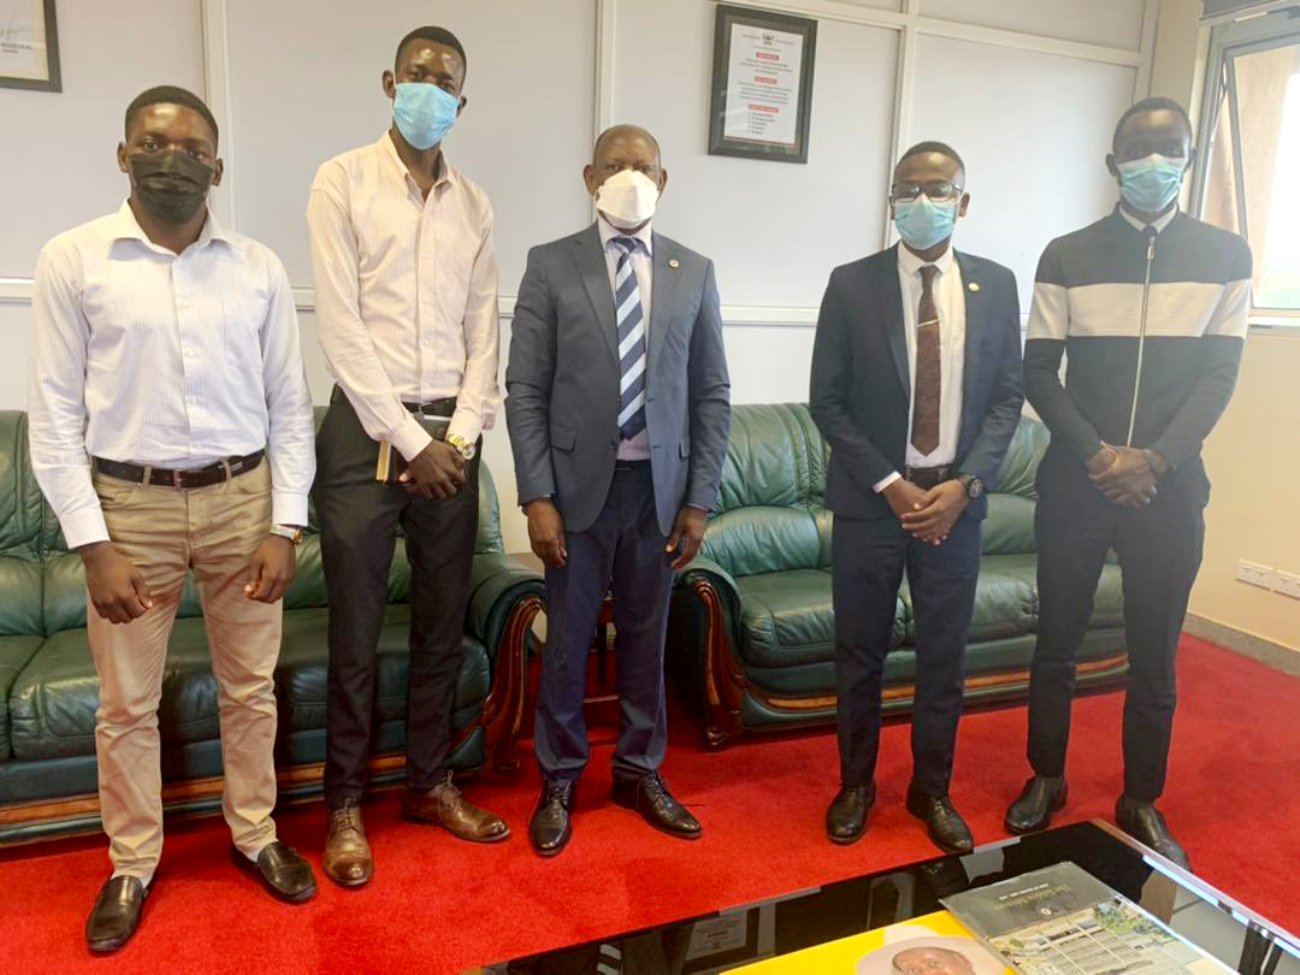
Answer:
[(935, 944)]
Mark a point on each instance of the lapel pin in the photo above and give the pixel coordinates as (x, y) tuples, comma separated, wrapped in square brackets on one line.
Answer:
[(674, 263), (974, 286)]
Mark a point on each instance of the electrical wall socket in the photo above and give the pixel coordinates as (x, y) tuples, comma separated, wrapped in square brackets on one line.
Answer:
[(1254, 574), (1288, 584)]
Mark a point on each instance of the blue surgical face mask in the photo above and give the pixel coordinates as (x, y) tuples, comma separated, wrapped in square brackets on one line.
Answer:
[(424, 113), (1151, 184), (922, 223)]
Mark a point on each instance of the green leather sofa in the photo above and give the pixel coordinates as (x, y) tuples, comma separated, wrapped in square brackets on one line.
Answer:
[(49, 692), (752, 630)]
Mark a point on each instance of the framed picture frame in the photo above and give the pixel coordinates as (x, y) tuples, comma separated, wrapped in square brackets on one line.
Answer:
[(761, 99), (29, 45)]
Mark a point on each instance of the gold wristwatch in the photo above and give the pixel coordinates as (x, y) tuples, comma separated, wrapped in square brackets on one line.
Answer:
[(463, 446), (291, 533)]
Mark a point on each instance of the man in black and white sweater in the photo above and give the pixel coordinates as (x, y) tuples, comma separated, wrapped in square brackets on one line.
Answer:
[(1151, 306)]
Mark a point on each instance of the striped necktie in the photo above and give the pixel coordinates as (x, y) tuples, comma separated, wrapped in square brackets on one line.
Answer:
[(631, 341)]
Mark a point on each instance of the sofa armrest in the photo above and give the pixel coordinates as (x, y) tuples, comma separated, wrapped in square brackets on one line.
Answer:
[(505, 598), (497, 585), (704, 627)]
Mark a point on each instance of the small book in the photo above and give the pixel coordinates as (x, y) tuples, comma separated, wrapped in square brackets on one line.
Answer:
[(1063, 921), (391, 464)]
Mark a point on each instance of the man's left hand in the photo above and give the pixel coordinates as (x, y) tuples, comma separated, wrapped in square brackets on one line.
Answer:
[(687, 535), (1130, 481), (941, 507), (271, 570)]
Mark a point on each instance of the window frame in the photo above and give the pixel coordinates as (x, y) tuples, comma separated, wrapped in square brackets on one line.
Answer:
[(1230, 40)]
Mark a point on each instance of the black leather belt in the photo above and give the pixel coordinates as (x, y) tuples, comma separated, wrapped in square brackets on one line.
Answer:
[(437, 407), (928, 477), (630, 465), (181, 480)]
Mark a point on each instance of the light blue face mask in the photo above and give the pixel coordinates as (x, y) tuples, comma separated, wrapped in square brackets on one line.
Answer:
[(1151, 184), (922, 223), (424, 113)]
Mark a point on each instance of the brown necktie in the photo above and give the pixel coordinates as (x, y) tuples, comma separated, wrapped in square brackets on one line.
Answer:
[(926, 386)]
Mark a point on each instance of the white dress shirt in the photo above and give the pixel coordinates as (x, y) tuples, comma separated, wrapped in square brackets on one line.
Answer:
[(144, 356), (638, 448), (1161, 222), (950, 303), (406, 293)]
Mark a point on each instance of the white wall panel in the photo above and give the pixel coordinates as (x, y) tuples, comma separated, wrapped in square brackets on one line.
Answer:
[(58, 165), (306, 90), (774, 229), (1034, 130), (1114, 23)]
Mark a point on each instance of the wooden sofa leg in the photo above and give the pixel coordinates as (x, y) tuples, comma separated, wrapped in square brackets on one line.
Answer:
[(503, 710), (724, 680)]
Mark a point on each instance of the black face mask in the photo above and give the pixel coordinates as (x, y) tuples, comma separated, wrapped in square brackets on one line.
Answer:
[(171, 185)]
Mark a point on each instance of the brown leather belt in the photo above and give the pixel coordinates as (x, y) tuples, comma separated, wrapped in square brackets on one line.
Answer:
[(181, 480), (928, 477)]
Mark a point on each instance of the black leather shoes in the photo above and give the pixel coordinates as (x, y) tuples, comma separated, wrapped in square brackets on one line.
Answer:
[(116, 913), (1033, 808), (1143, 822), (846, 819), (282, 870), (650, 797), (550, 828), (944, 823)]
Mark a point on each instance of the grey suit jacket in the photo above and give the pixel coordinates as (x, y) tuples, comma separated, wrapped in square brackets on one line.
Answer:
[(562, 380)]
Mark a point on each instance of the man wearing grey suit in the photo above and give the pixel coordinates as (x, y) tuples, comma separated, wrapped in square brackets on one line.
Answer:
[(619, 410)]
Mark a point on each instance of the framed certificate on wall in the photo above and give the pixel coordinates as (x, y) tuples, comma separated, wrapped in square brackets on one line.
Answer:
[(762, 84), (29, 45)]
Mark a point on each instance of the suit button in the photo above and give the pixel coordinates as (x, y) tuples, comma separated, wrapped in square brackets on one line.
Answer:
[(613, 445)]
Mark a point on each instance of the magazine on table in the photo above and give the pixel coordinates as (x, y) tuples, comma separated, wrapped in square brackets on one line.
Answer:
[(1063, 921)]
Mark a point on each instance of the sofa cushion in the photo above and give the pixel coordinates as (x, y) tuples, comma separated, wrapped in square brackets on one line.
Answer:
[(762, 539), (15, 652), (786, 619), (775, 456), (53, 700), (22, 509), (1005, 606), (1108, 605), (1009, 527), (20, 597)]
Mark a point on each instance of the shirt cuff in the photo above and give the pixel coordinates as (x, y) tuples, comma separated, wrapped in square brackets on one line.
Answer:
[(288, 508), (698, 507), (465, 424), (411, 438), (884, 482), (84, 527)]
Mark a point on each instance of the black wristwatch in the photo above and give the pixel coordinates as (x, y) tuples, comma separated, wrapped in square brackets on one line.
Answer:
[(974, 486)]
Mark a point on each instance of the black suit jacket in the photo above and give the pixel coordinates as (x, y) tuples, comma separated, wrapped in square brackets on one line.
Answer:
[(860, 395)]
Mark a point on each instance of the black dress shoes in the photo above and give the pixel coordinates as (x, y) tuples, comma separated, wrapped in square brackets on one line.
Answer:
[(650, 797), (1033, 808), (116, 913), (944, 823), (550, 828), (1143, 822), (282, 870), (846, 819)]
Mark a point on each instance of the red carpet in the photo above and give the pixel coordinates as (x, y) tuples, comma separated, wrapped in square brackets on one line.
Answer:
[(438, 905)]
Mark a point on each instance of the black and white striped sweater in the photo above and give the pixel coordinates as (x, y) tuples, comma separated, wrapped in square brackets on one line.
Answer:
[(1153, 344)]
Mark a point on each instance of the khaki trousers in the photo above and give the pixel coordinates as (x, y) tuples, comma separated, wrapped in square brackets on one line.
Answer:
[(165, 532)]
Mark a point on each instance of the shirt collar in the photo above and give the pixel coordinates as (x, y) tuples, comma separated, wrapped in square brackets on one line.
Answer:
[(1160, 224), (911, 264), (126, 227), (608, 232), (446, 173)]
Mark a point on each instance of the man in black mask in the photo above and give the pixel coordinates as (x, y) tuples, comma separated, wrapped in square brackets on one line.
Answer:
[(171, 430)]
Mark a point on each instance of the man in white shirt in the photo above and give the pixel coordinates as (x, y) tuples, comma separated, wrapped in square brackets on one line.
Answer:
[(406, 299), (171, 429), (916, 386)]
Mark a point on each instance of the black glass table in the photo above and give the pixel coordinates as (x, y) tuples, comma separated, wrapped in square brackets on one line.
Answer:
[(802, 919)]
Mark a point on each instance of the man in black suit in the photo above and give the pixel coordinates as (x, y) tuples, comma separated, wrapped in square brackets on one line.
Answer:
[(916, 385), (619, 411)]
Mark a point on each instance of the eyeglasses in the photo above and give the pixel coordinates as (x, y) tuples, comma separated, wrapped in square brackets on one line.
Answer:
[(938, 192)]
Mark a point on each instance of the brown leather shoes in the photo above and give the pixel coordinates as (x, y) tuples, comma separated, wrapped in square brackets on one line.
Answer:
[(347, 860), (444, 805)]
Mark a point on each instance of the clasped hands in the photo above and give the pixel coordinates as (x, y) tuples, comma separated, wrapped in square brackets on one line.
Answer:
[(1125, 475), (436, 472), (929, 515)]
